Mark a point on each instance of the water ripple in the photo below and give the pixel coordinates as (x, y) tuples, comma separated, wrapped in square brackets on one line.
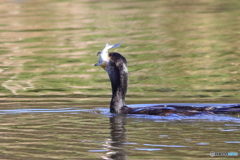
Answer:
[(148, 149), (160, 145), (105, 113)]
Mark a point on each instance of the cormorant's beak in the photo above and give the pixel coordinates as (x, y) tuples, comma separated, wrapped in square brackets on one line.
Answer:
[(103, 65), (97, 64)]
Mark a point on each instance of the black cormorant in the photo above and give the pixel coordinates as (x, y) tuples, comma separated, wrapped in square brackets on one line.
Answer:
[(116, 67)]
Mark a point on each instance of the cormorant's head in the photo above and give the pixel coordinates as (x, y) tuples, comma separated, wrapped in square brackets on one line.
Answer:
[(103, 59), (104, 56)]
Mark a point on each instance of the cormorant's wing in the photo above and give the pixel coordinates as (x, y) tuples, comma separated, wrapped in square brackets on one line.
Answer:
[(183, 109)]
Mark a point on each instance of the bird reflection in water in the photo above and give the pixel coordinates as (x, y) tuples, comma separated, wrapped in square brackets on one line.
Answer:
[(115, 145)]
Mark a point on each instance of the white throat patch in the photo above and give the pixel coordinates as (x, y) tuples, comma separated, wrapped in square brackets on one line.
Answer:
[(125, 69)]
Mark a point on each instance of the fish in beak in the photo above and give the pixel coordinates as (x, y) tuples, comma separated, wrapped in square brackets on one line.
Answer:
[(103, 55)]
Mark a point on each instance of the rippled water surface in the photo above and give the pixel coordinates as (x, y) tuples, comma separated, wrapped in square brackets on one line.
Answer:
[(54, 102)]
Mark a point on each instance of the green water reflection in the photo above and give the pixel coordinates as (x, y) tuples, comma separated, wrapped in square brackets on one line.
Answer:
[(51, 134), (177, 51)]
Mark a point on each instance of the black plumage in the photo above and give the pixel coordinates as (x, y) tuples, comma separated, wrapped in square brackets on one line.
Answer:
[(116, 67)]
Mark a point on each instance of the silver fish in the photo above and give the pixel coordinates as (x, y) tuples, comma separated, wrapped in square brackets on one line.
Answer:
[(104, 53)]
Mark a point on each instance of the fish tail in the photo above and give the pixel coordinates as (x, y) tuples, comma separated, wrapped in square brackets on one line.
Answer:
[(116, 45), (108, 46)]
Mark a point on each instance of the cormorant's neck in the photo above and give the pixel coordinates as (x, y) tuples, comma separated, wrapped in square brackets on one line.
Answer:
[(118, 74)]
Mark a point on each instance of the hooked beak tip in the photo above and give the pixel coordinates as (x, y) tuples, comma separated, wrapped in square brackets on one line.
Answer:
[(97, 64)]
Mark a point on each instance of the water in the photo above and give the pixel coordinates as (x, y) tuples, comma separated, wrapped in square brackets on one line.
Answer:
[(54, 102), (70, 132)]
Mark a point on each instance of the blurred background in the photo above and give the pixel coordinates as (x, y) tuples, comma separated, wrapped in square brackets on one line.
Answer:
[(54, 104), (177, 51)]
